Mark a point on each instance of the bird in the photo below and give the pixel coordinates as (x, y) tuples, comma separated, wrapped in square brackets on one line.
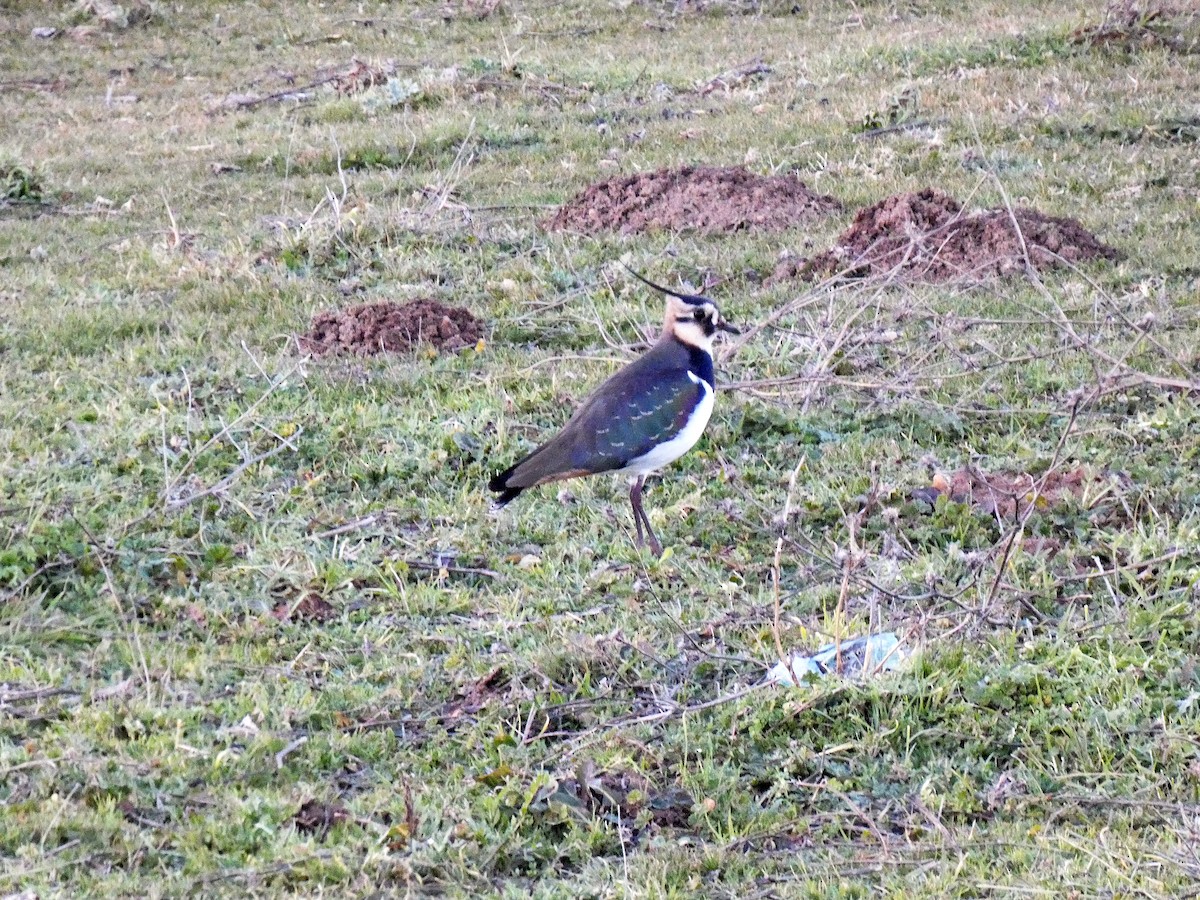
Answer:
[(641, 419)]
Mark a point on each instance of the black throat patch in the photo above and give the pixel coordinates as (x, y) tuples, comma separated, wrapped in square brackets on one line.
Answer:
[(700, 364)]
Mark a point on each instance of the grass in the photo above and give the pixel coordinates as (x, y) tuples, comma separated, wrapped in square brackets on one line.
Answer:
[(258, 633)]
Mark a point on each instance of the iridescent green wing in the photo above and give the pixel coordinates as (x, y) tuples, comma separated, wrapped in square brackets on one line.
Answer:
[(629, 418)]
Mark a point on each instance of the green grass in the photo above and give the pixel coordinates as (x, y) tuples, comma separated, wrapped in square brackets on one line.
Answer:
[(524, 704)]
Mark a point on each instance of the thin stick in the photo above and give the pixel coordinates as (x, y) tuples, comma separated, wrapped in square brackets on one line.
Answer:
[(135, 643), (1035, 493), (176, 239), (293, 93), (227, 482), (283, 754), (225, 430), (453, 570), (777, 626), (347, 527)]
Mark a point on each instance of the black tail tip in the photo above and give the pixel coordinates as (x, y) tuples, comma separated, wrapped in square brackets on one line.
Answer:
[(499, 484), (505, 497)]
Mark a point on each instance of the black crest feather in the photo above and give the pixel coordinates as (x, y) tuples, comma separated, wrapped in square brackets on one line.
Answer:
[(694, 299)]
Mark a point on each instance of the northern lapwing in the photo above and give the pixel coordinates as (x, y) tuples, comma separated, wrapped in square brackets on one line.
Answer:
[(644, 417)]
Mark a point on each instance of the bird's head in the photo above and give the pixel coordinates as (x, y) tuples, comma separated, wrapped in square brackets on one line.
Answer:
[(691, 318), (695, 320)]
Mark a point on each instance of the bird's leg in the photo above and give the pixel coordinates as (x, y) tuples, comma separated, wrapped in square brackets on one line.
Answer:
[(640, 518)]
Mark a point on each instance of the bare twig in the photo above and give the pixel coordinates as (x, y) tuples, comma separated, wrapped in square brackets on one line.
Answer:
[(1118, 367), (8, 698), (440, 195), (225, 432), (296, 93), (134, 637), (287, 751), (668, 710), (776, 625), (735, 76), (347, 527), (176, 239), (1018, 529), (453, 570), (33, 576), (225, 483)]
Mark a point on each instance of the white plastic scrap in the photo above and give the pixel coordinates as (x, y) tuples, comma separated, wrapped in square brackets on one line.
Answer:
[(860, 656)]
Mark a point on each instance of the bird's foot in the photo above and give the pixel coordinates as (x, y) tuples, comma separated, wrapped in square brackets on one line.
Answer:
[(655, 547)]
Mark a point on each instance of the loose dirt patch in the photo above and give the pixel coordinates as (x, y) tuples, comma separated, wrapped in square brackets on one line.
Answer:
[(927, 237), (475, 697), (387, 327), (1005, 494), (312, 608), (315, 817), (619, 795), (695, 198)]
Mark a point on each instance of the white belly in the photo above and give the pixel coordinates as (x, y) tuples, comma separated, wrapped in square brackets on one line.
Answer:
[(667, 453)]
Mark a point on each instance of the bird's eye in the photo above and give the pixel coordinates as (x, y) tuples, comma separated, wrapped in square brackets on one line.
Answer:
[(699, 315)]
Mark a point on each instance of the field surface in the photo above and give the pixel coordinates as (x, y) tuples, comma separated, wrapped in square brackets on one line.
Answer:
[(261, 636)]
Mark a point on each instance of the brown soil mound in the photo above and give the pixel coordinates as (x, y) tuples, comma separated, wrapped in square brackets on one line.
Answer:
[(387, 327), (696, 198), (927, 237)]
